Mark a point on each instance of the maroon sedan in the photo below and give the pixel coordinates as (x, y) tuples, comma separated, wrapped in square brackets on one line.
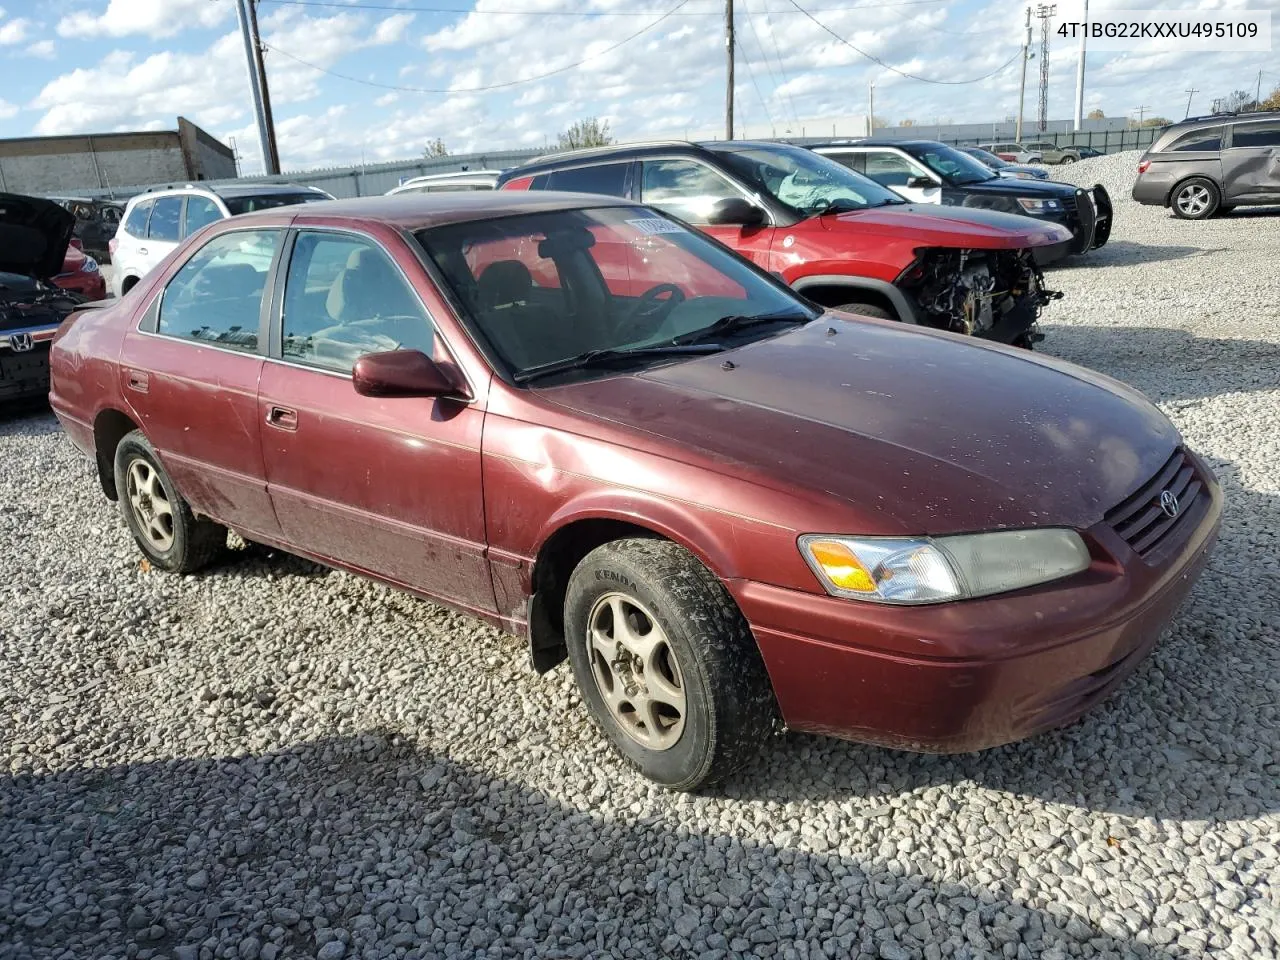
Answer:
[(604, 432)]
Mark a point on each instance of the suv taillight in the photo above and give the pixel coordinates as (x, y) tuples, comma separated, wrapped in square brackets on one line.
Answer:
[(111, 246), (1143, 167)]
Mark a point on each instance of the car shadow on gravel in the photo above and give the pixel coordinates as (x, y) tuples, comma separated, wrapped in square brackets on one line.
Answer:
[(1120, 253), (367, 840), (1168, 364)]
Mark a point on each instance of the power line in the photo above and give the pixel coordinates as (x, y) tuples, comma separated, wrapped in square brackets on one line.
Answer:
[(784, 100), (782, 70), (398, 8), (491, 86), (902, 73)]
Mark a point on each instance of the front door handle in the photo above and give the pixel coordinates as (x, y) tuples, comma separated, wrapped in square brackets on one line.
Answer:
[(143, 251), (282, 418), (138, 380)]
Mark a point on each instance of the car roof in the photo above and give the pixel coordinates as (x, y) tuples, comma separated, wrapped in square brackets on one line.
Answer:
[(224, 190), (633, 151), (877, 142), (419, 211)]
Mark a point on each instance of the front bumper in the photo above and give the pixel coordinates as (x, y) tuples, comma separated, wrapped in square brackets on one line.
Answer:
[(1089, 219), (24, 372), (964, 676)]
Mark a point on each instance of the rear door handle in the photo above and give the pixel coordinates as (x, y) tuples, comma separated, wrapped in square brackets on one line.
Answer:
[(138, 380), (282, 418), (143, 251)]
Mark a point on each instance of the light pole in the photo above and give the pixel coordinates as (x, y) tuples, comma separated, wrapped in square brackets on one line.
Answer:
[(1022, 84), (1079, 118), (871, 109)]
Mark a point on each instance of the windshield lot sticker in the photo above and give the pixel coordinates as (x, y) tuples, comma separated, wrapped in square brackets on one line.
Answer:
[(651, 226)]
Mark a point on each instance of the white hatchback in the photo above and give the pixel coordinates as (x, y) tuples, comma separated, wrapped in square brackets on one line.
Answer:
[(155, 222)]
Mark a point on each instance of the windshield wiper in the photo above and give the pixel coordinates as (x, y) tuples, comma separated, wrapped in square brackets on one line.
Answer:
[(735, 322), (593, 358)]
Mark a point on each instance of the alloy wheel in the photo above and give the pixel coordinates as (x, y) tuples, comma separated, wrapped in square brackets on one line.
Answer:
[(1193, 200), (152, 511), (636, 671)]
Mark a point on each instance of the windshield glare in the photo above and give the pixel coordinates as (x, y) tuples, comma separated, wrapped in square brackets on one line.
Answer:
[(952, 164), (805, 181), (548, 286)]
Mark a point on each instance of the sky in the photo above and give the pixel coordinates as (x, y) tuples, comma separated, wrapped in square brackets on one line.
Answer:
[(372, 80)]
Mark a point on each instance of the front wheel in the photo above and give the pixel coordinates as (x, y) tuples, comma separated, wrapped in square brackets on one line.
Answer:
[(166, 531), (866, 310), (1197, 199), (1067, 160), (666, 663)]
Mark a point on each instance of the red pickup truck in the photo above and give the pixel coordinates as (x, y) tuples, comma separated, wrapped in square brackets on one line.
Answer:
[(836, 236)]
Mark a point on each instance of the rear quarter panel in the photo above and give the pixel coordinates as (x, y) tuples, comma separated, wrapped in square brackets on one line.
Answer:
[(82, 370)]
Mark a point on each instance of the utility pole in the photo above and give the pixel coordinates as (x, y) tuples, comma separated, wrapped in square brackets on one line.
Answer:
[(1079, 117), (1142, 113), (728, 94), (1045, 12), (1190, 93), (1257, 96), (871, 109), (1022, 86), (257, 84)]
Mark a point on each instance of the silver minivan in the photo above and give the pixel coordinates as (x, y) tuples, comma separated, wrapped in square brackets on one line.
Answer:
[(1207, 164)]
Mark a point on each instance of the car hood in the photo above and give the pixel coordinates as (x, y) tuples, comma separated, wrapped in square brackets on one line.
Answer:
[(922, 432), (1004, 187), (938, 226), (34, 234)]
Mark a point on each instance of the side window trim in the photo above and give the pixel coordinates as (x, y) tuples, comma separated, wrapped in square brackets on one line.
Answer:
[(150, 322)]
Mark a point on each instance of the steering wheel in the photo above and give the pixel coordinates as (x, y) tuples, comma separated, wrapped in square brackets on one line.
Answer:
[(649, 311)]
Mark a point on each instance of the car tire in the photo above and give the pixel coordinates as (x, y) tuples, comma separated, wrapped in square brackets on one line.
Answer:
[(866, 310), (1195, 199), (680, 691), (169, 535), (1067, 160)]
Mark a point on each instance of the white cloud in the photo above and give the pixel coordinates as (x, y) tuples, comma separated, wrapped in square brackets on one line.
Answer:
[(13, 32), (8, 109), (154, 18), (392, 28), (41, 49)]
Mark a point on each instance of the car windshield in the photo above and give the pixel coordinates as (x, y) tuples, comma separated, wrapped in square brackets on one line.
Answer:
[(266, 201), (951, 164), (986, 158), (596, 290), (807, 182)]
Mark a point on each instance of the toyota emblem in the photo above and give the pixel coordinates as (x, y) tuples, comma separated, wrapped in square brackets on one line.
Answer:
[(20, 342), (1169, 503)]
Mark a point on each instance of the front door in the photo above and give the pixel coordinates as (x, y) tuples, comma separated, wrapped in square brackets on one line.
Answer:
[(390, 486), (1251, 165), (190, 374), (689, 189)]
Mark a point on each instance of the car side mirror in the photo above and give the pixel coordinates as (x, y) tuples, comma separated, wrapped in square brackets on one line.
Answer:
[(735, 211), (920, 183), (402, 373)]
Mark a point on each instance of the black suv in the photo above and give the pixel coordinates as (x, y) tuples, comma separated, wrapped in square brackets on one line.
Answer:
[(927, 171), (1207, 164)]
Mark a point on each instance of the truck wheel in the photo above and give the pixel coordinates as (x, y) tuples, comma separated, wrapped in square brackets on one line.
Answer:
[(666, 663), (866, 310), (166, 531), (1196, 199)]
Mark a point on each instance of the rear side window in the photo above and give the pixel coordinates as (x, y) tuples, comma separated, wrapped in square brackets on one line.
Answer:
[(217, 295), (201, 211), (854, 161), (136, 223), (165, 218), (607, 178), (889, 169), (268, 201), (1208, 139), (1255, 135)]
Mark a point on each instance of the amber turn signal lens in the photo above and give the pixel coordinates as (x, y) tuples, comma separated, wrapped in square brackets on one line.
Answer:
[(842, 568)]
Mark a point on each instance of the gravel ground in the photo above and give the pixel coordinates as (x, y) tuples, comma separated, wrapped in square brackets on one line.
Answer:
[(271, 760)]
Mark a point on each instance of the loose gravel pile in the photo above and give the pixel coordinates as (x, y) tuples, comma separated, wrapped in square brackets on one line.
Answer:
[(270, 760)]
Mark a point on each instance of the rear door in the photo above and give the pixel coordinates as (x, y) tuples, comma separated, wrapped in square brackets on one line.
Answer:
[(190, 374), (1251, 161), (390, 486), (689, 189)]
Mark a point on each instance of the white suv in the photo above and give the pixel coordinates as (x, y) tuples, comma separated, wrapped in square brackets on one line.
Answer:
[(157, 221)]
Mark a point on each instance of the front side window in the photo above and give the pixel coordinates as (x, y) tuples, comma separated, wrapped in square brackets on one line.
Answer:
[(805, 182), (201, 211), (216, 297), (344, 297), (1255, 135), (268, 201), (165, 219), (951, 164), (684, 188), (544, 288), (1209, 139), (890, 169), (136, 223)]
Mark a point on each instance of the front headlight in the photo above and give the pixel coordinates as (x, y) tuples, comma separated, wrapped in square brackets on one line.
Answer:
[(935, 569), (1039, 206)]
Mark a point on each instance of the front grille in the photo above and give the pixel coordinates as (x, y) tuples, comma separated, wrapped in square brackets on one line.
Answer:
[(1069, 204), (1143, 521)]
